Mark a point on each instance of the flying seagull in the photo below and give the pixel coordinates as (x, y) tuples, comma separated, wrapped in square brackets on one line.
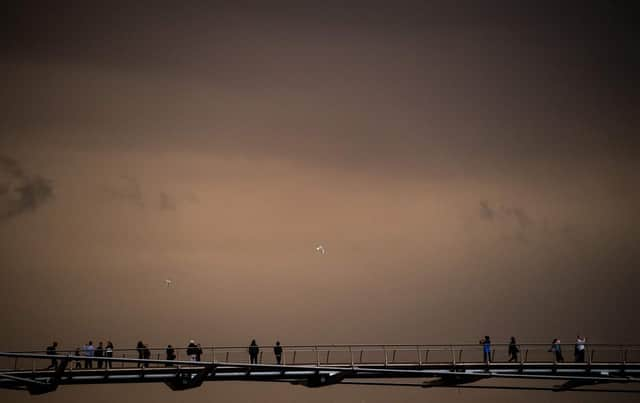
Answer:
[(320, 249), (168, 282)]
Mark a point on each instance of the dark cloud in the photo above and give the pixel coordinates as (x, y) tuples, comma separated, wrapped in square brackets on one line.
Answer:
[(515, 220), (519, 215), (126, 189), (22, 193), (11, 167), (486, 211), (166, 202)]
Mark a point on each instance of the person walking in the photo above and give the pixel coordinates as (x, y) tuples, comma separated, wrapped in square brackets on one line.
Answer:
[(192, 350), (77, 364), (89, 351), (253, 351), (277, 351), (99, 353), (486, 349), (140, 349), (513, 350), (51, 350), (146, 354), (108, 352), (171, 354), (580, 348), (556, 350)]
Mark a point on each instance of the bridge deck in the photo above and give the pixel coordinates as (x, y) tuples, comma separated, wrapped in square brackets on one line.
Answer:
[(319, 366)]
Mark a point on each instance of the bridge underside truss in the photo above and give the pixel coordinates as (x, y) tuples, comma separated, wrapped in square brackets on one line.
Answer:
[(183, 375)]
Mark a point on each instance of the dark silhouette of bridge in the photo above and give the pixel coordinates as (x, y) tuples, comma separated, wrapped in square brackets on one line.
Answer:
[(323, 365)]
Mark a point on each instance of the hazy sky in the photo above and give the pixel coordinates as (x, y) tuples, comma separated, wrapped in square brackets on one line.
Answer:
[(470, 169)]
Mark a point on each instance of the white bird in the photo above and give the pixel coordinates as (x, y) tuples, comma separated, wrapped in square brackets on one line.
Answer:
[(320, 249), (168, 282)]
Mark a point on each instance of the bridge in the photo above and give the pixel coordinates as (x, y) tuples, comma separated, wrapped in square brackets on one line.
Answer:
[(605, 369)]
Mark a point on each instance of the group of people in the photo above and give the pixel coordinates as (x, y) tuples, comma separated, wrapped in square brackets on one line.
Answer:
[(514, 349), (194, 352), (89, 351)]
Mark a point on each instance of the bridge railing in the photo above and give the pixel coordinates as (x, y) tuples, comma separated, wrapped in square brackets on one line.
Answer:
[(359, 354)]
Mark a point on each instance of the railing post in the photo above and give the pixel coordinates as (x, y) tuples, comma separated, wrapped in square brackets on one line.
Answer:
[(351, 354), (328, 351), (294, 356), (393, 357), (361, 352), (15, 364), (213, 354), (419, 356), (386, 359), (317, 356), (426, 356), (460, 355), (521, 356), (284, 357), (453, 356)]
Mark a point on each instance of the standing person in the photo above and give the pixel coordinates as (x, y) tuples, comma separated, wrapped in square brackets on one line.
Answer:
[(198, 352), (108, 352), (89, 351), (140, 349), (486, 349), (171, 354), (51, 350), (192, 350), (253, 351), (146, 354), (277, 351), (513, 350), (556, 350), (99, 354), (77, 365), (580, 348)]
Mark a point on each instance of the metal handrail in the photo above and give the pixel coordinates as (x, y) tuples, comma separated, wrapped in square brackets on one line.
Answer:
[(375, 347)]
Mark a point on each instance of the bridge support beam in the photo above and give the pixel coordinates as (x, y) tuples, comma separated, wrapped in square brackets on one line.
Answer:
[(186, 380)]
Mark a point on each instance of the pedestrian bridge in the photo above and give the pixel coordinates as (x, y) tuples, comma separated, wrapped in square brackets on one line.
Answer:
[(607, 367)]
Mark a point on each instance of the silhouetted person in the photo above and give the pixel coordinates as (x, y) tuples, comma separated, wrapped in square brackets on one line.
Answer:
[(108, 352), (253, 351), (99, 354), (556, 350), (140, 349), (171, 354), (198, 352), (89, 351), (77, 360), (277, 351), (513, 350), (486, 349), (146, 354), (192, 350), (580, 348), (51, 350)]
